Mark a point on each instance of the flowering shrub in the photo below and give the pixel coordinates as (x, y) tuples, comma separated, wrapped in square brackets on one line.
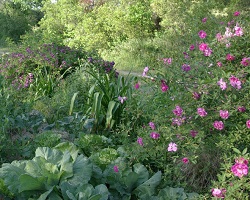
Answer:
[(206, 106)]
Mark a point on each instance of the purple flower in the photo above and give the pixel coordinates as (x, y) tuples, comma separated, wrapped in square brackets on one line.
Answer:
[(237, 13), (240, 169), (186, 67), (241, 109), (137, 86), (235, 82), (164, 86), (172, 147), (177, 111), (185, 160), (222, 84), (218, 125), (204, 20), (122, 99), (245, 61), (116, 169), (192, 47), (140, 142), (193, 133), (152, 125), (224, 114), (202, 34), (154, 135), (145, 71), (219, 193), (202, 112)]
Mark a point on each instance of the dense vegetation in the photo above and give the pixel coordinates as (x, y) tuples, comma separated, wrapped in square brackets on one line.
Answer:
[(73, 127)]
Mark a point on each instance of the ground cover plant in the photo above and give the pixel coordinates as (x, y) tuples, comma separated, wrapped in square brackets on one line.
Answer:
[(178, 131)]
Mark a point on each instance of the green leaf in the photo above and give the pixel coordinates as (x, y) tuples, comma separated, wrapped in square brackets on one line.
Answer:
[(244, 151), (142, 172), (72, 103), (112, 107), (148, 187), (236, 151), (102, 190), (51, 155), (28, 183)]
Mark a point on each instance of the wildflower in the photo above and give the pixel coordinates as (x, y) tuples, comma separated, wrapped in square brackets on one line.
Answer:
[(186, 67), (203, 47), (185, 160), (202, 112), (224, 114), (172, 147), (145, 71), (207, 52), (230, 57), (219, 37), (178, 121), (151, 125), (248, 123), (122, 99), (202, 34), (164, 86), (218, 125), (154, 135), (204, 20), (241, 109), (222, 84), (186, 56), (193, 133), (219, 64), (196, 95), (167, 61), (228, 45), (238, 31), (137, 86), (245, 61), (237, 13), (239, 169), (177, 111), (219, 193), (235, 82), (140, 142), (192, 47), (116, 169)]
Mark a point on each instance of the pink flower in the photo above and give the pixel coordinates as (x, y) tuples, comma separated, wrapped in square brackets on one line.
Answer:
[(193, 133), (235, 82), (228, 45), (122, 99), (154, 135), (219, 37), (228, 33), (241, 109), (192, 47), (245, 61), (224, 114), (177, 111), (237, 13), (185, 160), (219, 64), (241, 160), (172, 147), (137, 86), (164, 86), (151, 125), (218, 125), (202, 112), (202, 34), (178, 121), (139, 141), (116, 169), (222, 84), (186, 67), (207, 52), (230, 57), (167, 60), (204, 20), (219, 193), (248, 123), (240, 169), (196, 95), (145, 71), (238, 31), (203, 47)]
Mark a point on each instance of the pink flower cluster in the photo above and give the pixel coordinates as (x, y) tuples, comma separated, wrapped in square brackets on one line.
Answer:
[(222, 84), (219, 125), (178, 111), (202, 112), (205, 49), (164, 86), (172, 147), (224, 114), (240, 168), (245, 61), (154, 135), (219, 193), (202, 34), (235, 82), (145, 71), (167, 61)]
